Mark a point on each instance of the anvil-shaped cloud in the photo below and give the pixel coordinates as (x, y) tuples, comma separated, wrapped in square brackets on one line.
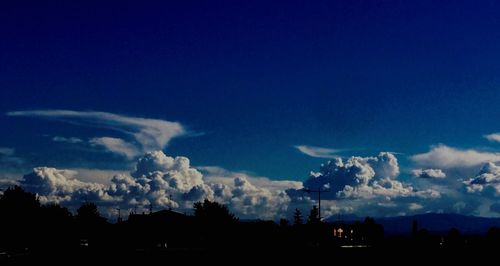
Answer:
[(147, 134)]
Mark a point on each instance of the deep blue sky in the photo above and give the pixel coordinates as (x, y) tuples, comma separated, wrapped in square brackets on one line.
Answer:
[(255, 78)]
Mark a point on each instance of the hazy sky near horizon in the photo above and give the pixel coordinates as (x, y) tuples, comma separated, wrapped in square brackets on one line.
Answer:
[(266, 88)]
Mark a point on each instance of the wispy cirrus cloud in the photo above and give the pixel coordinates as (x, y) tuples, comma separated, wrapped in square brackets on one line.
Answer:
[(9, 158), (116, 145), (318, 152), (72, 140), (147, 134), (6, 151)]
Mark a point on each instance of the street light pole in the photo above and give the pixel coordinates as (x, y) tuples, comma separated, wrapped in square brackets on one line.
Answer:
[(319, 197)]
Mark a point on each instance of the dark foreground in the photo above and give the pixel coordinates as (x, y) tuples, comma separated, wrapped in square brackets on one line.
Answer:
[(33, 234), (391, 256)]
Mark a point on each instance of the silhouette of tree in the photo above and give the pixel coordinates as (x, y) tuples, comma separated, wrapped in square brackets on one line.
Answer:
[(414, 228), (424, 238), (216, 224), (493, 236), (56, 212), (88, 210), (297, 217), (494, 232), (313, 216), (454, 238), (16, 199), (91, 225), (372, 231), (58, 227), (213, 212), (89, 214), (56, 217), (19, 212), (314, 228)]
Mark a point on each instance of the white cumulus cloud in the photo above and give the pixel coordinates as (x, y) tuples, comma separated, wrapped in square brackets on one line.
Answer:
[(486, 182), (358, 177), (215, 174), (365, 186), (164, 182), (428, 173), (445, 157), (360, 185), (249, 195), (60, 186)]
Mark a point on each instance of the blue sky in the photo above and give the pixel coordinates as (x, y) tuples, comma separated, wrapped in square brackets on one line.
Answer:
[(248, 82)]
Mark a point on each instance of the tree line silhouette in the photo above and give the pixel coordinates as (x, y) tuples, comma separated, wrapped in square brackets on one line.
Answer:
[(28, 226)]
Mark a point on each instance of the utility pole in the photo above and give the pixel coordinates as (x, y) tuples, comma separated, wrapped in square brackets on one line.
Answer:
[(170, 198), (119, 214), (319, 197)]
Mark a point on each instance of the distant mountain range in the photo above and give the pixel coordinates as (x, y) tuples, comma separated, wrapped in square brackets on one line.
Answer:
[(434, 222)]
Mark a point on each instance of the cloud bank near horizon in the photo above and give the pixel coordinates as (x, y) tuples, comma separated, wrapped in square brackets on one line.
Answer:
[(164, 182), (357, 185)]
